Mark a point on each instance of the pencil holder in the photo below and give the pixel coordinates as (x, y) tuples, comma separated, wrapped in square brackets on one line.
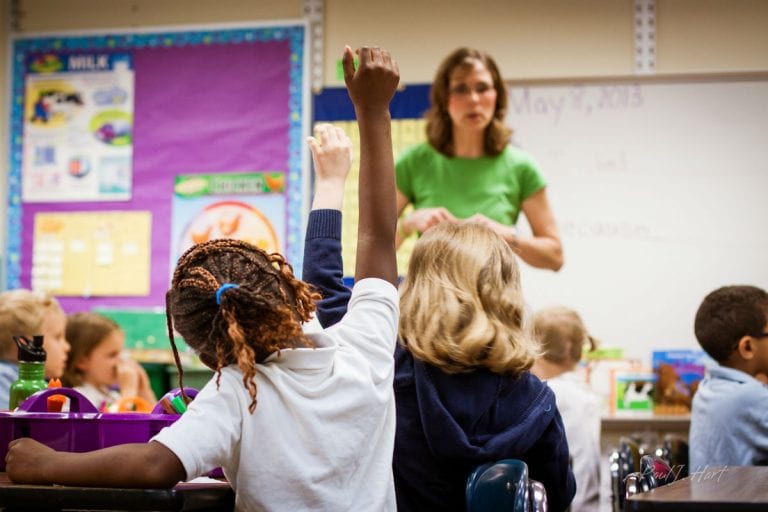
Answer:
[(81, 429)]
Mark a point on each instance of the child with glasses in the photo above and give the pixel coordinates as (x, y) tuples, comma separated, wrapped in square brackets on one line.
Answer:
[(729, 417)]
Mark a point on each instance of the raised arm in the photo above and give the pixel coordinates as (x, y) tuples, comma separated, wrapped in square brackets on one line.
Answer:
[(371, 88), (323, 266)]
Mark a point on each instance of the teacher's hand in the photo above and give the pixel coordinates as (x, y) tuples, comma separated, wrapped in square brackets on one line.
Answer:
[(508, 233), (424, 218)]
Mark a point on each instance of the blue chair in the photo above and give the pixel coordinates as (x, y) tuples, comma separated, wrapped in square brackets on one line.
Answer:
[(504, 486)]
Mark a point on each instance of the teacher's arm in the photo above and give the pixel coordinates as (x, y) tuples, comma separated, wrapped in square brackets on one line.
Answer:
[(543, 249)]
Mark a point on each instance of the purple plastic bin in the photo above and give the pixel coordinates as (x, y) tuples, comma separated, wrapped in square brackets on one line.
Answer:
[(80, 430)]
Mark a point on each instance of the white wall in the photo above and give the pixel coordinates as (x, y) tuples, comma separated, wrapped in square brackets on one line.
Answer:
[(529, 39)]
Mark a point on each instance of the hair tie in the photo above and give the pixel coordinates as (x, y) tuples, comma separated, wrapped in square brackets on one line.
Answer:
[(222, 289)]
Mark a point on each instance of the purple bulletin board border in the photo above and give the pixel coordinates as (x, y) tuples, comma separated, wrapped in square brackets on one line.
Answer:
[(293, 35)]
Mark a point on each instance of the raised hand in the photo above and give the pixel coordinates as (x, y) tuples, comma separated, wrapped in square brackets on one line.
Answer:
[(332, 155), (371, 87), (374, 82)]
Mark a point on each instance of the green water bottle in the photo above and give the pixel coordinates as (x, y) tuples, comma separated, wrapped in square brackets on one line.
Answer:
[(31, 369)]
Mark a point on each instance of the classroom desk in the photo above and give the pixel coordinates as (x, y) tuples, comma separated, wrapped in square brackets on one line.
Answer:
[(726, 489), (207, 496)]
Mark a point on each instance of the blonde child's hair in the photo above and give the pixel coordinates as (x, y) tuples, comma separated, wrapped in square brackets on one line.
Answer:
[(85, 331), (21, 313), (561, 334), (461, 307)]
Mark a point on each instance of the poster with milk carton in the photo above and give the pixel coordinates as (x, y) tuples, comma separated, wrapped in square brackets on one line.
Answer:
[(78, 127)]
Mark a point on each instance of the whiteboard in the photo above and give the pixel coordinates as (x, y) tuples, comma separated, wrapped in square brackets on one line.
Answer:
[(660, 190)]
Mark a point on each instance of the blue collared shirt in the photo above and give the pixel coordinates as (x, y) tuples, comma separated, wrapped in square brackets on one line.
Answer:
[(9, 372), (729, 421)]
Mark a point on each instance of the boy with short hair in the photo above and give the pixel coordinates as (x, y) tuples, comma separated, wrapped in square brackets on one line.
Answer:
[(729, 418)]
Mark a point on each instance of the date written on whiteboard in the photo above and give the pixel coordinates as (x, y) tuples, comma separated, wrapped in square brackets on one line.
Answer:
[(583, 100)]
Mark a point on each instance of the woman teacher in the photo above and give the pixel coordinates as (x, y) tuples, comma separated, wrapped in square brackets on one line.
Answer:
[(468, 171)]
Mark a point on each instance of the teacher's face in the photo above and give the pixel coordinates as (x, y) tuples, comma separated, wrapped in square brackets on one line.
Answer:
[(471, 97)]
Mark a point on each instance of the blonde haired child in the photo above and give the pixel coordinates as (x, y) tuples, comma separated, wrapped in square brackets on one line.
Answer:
[(297, 421), (27, 313), (463, 288), (463, 391), (97, 365), (562, 334)]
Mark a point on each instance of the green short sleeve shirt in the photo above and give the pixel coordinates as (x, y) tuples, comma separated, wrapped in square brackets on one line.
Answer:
[(495, 186)]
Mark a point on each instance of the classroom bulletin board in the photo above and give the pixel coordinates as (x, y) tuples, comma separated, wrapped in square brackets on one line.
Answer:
[(127, 148)]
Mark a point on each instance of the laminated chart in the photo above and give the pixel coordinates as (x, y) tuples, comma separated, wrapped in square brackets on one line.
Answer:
[(78, 127), (248, 206), (405, 132), (92, 253)]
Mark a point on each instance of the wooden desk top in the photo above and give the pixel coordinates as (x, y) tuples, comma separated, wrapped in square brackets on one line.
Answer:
[(726, 489), (211, 496)]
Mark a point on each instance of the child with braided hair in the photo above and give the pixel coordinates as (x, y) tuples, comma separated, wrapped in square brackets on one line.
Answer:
[(297, 421)]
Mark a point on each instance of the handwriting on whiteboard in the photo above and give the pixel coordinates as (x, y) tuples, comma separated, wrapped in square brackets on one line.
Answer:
[(555, 102)]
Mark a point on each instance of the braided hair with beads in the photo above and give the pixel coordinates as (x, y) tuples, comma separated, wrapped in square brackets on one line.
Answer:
[(236, 304)]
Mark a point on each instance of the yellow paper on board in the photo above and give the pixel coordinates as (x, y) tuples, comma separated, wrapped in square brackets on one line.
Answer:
[(92, 253), (405, 133)]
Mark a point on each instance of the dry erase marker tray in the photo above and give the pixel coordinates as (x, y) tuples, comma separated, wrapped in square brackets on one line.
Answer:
[(82, 429)]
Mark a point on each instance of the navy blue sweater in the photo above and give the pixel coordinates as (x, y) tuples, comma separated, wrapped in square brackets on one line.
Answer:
[(449, 424), (323, 266)]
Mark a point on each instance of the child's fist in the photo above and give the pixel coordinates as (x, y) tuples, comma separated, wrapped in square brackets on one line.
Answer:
[(373, 83), (26, 461)]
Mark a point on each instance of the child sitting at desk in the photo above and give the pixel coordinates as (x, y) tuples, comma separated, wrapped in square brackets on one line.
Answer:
[(27, 313), (562, 334), (463, 393), (97, 367), (730, 407), (320, 436)]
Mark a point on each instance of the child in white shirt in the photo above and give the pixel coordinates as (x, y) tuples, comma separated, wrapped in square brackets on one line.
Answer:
[(297, 421)]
